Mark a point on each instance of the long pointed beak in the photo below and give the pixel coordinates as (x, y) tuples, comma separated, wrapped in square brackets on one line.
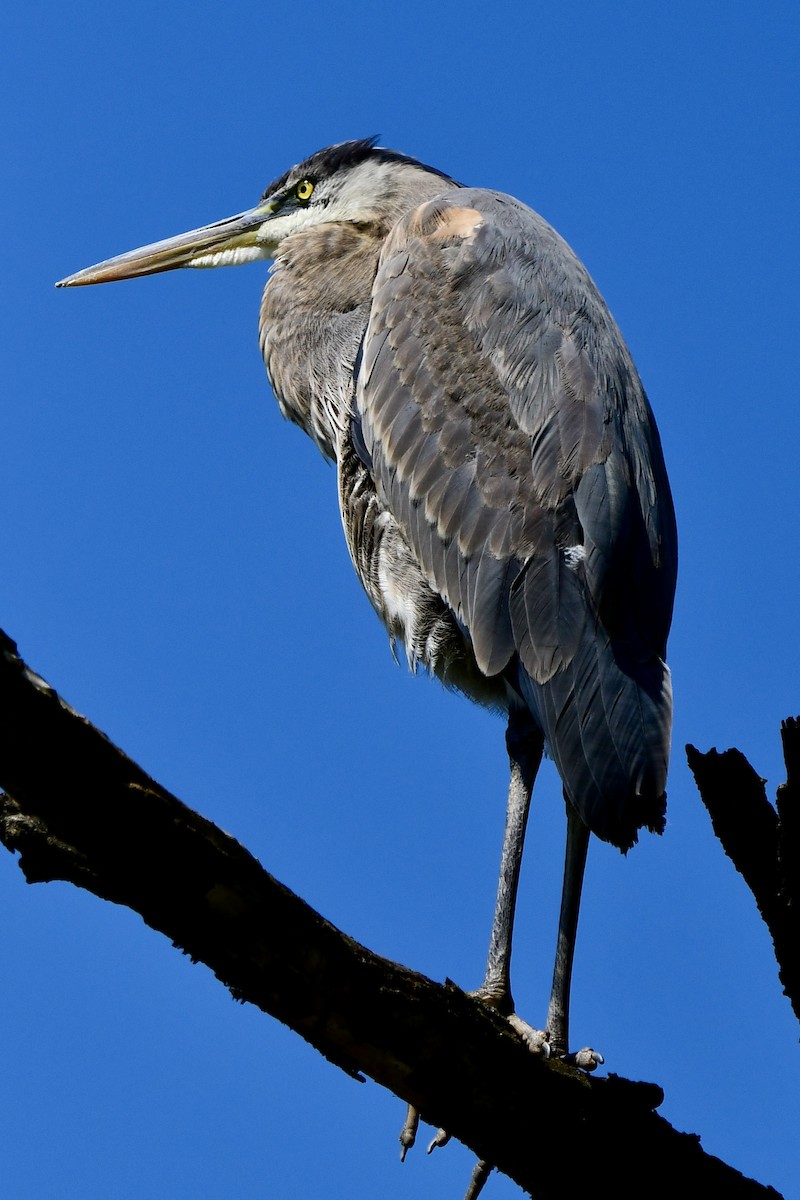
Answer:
[(239, 239)]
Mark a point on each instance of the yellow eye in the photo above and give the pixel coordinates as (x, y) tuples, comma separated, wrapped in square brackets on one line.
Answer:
[(303, 189)]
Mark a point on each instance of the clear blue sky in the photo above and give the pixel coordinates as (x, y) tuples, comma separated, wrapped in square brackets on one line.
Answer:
[(172, 562)]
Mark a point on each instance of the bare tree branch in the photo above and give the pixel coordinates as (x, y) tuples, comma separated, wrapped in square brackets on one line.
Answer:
[(762, 842), (76, 808)]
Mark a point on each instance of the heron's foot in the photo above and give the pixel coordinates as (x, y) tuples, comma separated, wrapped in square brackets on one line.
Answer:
[(537, 1040), (408, 1135), (541, 1041)]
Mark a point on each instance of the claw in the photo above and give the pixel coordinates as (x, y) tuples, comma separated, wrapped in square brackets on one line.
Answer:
[(441, 1138)]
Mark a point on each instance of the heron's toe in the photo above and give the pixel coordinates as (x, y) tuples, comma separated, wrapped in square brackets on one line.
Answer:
[(587, 1059), (534, 1039), (408, 1134), (440, 1138)]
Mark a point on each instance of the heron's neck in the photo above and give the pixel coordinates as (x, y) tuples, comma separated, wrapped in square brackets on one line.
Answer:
[(313, 315)]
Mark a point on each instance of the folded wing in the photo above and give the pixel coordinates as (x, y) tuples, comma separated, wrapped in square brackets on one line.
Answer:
[(510, 437)]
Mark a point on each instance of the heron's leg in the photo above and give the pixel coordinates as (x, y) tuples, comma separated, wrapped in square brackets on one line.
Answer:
[(525, 747), (558, 1012)]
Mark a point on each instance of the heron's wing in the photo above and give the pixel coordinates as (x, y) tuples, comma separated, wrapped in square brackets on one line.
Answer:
[(510, 438)]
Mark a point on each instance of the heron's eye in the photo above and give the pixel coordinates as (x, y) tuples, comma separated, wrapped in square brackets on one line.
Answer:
[(303, 189)]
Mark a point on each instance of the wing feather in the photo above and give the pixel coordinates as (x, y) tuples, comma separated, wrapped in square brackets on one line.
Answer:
[(511, 440)]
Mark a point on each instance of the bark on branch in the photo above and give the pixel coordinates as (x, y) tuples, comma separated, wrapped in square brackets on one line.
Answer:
[(762, 842), (77, 809)]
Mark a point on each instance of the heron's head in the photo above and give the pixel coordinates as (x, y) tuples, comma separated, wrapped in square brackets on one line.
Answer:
[(355, 183)]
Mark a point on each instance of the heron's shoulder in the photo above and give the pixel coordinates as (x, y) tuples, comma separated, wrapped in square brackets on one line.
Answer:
[(499, 208), (480, 222)]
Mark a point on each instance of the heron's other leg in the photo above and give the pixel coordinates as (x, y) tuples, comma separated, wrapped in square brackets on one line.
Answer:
[(525, 747), (558, 1012)]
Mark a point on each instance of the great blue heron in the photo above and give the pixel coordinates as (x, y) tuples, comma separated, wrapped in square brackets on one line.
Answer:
[(501, 481)]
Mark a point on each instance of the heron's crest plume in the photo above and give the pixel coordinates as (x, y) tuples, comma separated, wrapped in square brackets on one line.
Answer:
[(342, 157)]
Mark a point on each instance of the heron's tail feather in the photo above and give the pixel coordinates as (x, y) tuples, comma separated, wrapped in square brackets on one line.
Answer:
[(607, 720)]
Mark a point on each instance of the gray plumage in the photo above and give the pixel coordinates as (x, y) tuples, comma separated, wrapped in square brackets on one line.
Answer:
[(507, 461), (500, 477)]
